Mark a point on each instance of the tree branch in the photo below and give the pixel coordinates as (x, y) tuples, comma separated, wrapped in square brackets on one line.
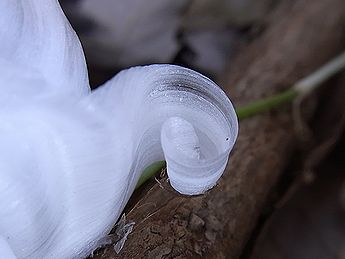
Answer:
[(300, 36)]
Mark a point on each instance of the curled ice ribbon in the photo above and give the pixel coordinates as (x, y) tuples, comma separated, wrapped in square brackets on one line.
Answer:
[(70, 158)]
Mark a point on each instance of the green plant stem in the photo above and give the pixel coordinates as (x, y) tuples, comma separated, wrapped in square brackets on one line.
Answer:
[(266, 104), (149, 172)]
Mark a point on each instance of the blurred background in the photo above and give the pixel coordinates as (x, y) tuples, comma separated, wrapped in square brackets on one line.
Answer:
[(304, 217), (200, 34)]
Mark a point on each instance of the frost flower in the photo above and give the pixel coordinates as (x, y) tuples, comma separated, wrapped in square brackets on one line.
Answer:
[(70, 158)]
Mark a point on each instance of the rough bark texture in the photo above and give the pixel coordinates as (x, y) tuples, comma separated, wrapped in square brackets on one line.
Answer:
[(299, 37)]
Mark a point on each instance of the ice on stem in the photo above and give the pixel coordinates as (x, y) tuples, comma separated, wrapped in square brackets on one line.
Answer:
[(70, 159)]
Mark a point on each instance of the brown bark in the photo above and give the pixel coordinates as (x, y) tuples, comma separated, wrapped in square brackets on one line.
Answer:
[(299, 37)]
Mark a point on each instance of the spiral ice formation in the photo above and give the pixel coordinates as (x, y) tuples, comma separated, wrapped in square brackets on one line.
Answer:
[(70, 159), (177, 110)]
